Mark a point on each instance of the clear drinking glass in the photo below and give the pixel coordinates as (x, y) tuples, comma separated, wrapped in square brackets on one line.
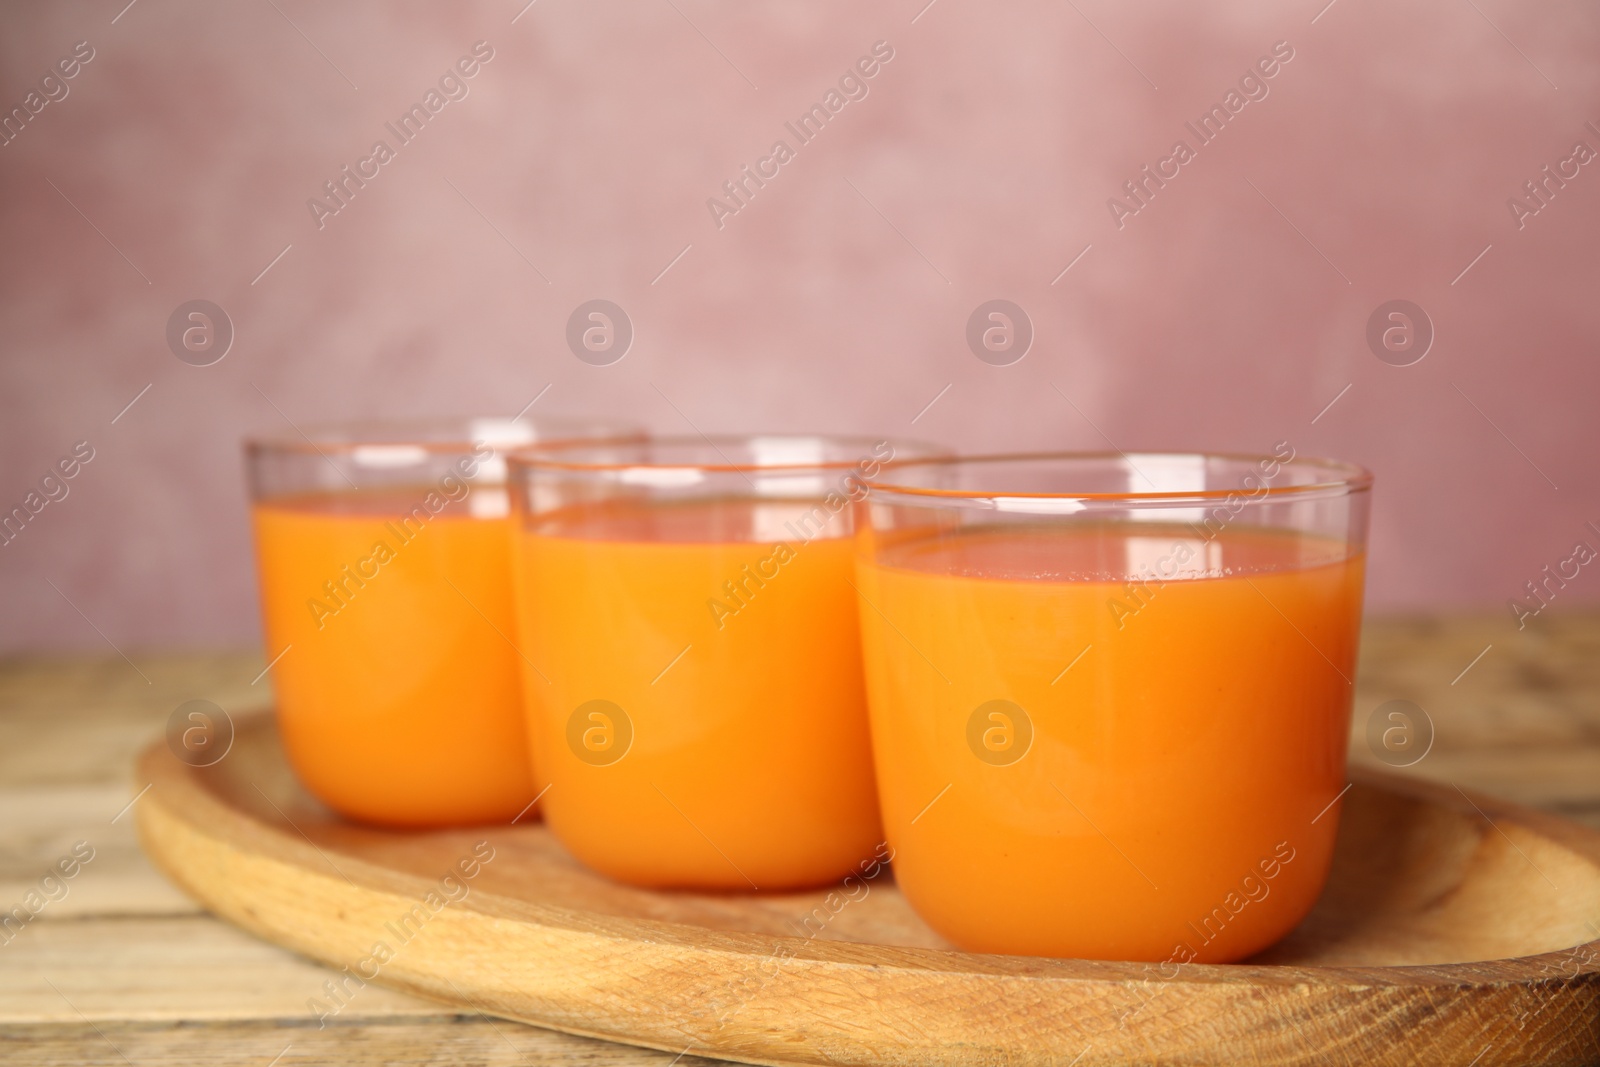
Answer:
[(1110, 694), (694, 674), (384, 558)]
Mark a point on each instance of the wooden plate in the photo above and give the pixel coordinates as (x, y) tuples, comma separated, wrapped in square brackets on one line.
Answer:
[(1455, 930)]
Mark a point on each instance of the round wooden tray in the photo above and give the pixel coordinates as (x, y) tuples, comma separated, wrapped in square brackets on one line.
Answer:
[(1455, 930)]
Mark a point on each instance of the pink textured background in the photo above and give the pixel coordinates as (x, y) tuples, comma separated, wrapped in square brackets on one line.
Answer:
[(981, 163)]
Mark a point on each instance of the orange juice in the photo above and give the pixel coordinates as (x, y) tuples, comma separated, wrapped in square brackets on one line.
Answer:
[(704, 721), (1072, 764), (398, 698)]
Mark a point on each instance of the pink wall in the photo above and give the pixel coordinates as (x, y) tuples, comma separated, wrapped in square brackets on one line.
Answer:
[(1225, 314)]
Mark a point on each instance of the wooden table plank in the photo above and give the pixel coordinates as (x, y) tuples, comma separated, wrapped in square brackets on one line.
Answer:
[(150, 969), (40, 825), (451, 1040), (1522, 723)]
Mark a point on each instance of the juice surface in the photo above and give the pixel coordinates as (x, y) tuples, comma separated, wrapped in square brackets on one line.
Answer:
[(1070, 765), (399, 699), (704, 720)]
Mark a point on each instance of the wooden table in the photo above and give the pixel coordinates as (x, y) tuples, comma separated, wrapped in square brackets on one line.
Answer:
[(124, 969)]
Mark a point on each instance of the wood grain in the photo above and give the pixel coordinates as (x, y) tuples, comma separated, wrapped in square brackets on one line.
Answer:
[(434, 1040), (1449, 918), (1523, 722), (145, 970)]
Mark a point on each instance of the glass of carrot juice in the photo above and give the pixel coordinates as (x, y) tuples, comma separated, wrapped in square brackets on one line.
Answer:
[(385, 570), (693, 669), (1110, 694)]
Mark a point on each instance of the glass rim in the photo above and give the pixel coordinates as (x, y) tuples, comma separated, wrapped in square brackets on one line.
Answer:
[(419, 433), (547, 456), (1345, 477)]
